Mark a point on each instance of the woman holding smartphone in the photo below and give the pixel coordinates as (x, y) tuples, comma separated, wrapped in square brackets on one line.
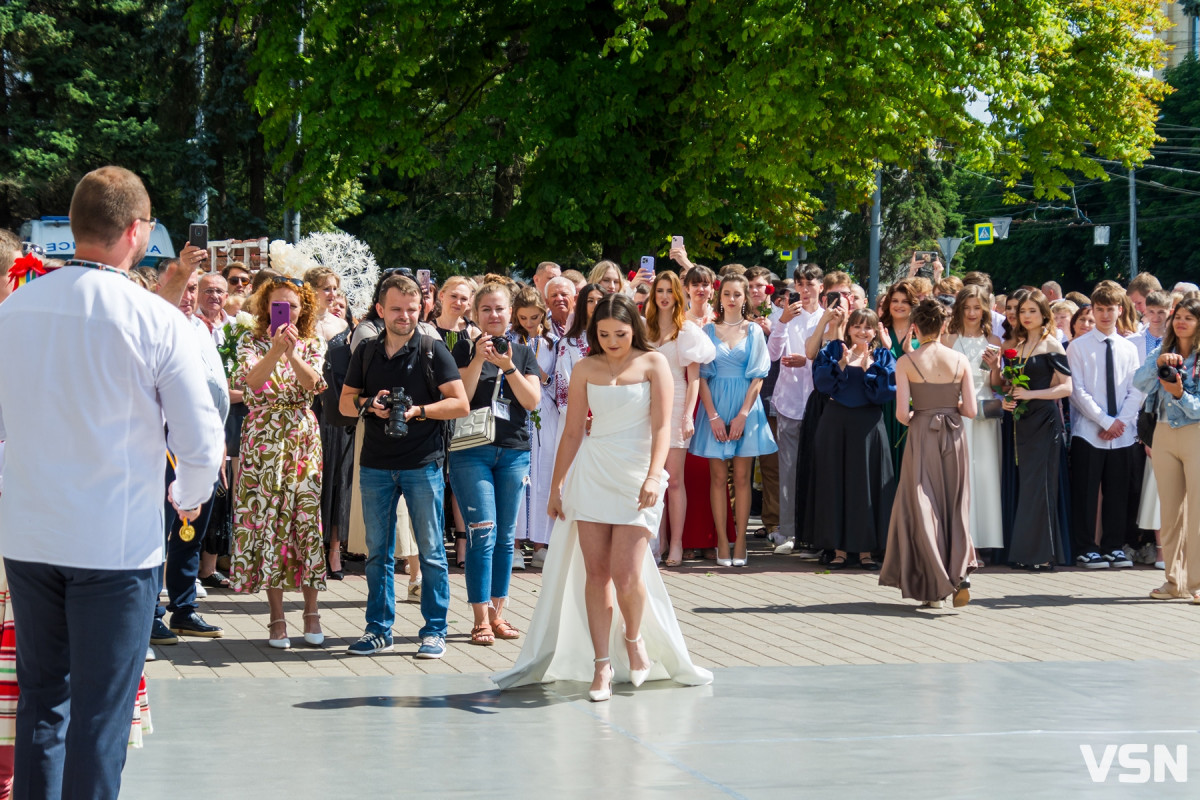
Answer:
[(488, 479), (277, 516)]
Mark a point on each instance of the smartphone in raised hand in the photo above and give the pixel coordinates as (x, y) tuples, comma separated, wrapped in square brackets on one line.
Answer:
[(647, 267), (281, 316), (198, 236)]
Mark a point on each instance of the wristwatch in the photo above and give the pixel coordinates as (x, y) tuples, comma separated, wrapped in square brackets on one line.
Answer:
[(421, 417), (510, 371)]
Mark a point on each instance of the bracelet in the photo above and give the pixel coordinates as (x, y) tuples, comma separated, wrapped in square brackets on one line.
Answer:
[(714, 418), (509, 371)]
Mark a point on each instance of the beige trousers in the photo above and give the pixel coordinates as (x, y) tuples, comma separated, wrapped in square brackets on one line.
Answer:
[(1176, 456)]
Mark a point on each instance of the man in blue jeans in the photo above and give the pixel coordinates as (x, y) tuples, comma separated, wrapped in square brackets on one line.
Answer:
[(403, 459)]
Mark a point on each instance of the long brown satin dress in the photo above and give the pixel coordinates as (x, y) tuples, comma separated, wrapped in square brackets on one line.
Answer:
[(929, 550)]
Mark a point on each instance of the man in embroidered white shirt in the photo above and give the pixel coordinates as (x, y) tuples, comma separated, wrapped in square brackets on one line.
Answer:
[(1104, 407), (94, 366)]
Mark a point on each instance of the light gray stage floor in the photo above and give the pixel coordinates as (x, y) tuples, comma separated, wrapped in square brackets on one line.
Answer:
[(889, 731)]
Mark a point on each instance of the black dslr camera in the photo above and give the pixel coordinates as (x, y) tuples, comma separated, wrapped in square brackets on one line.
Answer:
[(500, 344), (1168, 373), (398, 403)]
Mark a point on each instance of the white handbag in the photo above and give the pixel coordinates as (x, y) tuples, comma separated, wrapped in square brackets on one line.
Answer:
[(478, 427)]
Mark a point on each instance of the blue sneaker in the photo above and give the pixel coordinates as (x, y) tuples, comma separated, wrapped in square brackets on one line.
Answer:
[(370, 644), (432, 647)]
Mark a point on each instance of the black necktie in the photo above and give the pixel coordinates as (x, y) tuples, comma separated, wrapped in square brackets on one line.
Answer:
[(1108, 377)]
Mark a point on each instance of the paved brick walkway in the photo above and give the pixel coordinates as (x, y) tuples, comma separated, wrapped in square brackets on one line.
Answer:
[(778, 611)]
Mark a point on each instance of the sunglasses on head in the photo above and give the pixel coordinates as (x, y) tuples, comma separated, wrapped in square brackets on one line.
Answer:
[(28, 248), (279, 279)]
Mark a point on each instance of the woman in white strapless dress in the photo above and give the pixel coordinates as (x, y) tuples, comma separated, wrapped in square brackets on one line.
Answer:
[(609, 504), (686, 347), (968, 334)]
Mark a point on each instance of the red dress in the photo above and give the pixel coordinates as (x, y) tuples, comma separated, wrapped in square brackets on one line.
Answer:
[(699, 532)]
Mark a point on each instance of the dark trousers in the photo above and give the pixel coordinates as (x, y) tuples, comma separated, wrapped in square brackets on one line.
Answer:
[(183, 558), (84, 634), (1100, 478)]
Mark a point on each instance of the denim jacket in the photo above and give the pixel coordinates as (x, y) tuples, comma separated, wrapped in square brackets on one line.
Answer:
[(1185, 410)]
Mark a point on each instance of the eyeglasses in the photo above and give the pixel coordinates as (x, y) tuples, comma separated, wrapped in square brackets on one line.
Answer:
[(278, 279), (214, 292), (28, 248), (152, 222), (238, 280)]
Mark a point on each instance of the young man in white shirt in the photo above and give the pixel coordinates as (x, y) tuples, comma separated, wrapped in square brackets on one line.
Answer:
[(786, 345), (1104, 407), (82, 406)]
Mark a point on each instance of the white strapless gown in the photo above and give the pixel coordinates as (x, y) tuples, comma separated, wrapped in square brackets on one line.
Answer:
[(602, 486)]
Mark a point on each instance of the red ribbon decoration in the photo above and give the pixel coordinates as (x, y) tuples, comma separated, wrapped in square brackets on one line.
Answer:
[(25, 269)]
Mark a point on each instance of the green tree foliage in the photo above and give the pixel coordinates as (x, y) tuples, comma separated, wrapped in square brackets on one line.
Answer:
[(1054, 239), (577, 124)]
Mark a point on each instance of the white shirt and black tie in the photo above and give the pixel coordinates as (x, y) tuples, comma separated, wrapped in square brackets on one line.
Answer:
[(1102, 368)]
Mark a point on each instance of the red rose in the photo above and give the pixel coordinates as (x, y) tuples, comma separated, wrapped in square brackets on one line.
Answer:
[(1010, 354), (632, 274), (716, 286), (770, 290)]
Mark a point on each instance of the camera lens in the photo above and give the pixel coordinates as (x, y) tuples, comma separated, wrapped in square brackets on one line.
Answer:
[(1167, 373), (500, 344)]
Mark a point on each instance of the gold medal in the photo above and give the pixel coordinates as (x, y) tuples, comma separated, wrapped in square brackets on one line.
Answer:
[(186, 531)]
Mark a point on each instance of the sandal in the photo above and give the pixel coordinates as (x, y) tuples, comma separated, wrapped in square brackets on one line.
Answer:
[(215, 580), (869, 564), (837, 562), (482, 635), (460, 550), (503, 629)]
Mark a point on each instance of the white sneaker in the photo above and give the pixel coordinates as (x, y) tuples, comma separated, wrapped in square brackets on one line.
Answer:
[(785, 548), (150, 654), (201, 592), (518, 560), (776, 537), (539, 557), (809, 554)]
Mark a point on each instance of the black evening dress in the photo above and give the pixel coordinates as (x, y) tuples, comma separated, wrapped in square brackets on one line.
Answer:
[(1036, 534)]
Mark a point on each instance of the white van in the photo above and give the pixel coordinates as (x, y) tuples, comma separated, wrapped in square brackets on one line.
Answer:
[(54, 235)]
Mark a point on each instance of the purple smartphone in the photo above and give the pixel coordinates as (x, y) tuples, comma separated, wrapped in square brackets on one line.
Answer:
[(281, 314)]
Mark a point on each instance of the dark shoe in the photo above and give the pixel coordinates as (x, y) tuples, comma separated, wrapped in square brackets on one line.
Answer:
[(160, 634), (869, 564), (837, 562), (194, 625), (216, 581), (335, 575)]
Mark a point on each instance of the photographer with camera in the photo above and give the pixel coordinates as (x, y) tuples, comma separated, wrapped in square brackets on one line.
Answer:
[(1169, 379), (404, 384), (489, 478)]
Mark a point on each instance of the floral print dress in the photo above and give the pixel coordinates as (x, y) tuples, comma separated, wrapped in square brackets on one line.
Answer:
[(277, 517)]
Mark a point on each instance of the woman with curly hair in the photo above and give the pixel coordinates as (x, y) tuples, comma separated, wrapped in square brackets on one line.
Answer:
[(277, 517)]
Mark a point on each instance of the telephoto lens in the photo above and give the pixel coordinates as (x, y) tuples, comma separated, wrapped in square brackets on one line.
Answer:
[(1167, 373), (398, 402)]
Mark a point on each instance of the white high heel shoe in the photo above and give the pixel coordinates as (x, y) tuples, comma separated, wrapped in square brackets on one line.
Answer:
[(314, 639), (638, 676), (600, 695), (278, 644)]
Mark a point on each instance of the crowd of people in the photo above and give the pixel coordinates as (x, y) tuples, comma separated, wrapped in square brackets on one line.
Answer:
[(937, 430)]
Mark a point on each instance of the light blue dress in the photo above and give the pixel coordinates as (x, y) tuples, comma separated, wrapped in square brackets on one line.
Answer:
[(728, 376)]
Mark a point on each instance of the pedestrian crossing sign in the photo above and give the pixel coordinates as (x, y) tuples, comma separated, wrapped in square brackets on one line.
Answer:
[(984, 233), (785, 255)]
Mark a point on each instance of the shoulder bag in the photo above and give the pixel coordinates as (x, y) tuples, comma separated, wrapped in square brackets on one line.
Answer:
[(1147, 419), (478, 427)]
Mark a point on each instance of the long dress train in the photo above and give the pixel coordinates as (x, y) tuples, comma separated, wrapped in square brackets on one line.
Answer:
[(602, 486)]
